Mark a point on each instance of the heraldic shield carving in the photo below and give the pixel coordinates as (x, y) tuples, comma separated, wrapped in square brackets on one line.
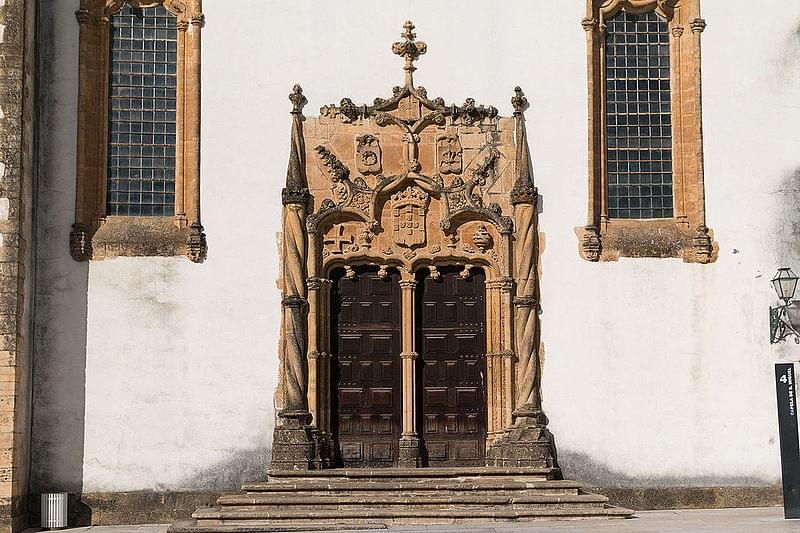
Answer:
[(409, 186), (408, 211)]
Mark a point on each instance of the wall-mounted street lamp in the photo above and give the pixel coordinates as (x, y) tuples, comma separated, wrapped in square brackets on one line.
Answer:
[(784, 320)]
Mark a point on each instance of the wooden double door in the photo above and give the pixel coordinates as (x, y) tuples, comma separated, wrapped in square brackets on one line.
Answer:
[(449, 390)]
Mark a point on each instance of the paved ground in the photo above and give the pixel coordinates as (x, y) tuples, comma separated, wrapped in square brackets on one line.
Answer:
[(765, 519)]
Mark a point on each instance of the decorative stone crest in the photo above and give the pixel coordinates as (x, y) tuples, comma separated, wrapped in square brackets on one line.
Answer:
[(409, 208), (448, 152), (368, 154)]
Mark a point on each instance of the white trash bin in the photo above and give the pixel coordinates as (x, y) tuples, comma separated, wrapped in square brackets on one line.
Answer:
[(54, 510)]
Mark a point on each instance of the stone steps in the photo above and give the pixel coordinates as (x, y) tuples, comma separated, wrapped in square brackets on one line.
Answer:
[(420, 488), (250, 502), (350, 498), (412, 474)]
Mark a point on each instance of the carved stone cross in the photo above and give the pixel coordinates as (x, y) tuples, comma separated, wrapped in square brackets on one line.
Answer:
[(339, 241), (409, 50)]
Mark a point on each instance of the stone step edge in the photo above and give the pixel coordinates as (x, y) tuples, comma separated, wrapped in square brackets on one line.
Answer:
[(311, 500), (477, 471), (190, 525), (496, 484), (217, 514)]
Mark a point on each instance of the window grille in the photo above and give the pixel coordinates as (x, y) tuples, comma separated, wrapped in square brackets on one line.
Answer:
[(638, 117), (142, 116)]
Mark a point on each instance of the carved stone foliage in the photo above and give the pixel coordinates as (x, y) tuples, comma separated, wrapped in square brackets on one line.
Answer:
[(368, 154), (187, 11)]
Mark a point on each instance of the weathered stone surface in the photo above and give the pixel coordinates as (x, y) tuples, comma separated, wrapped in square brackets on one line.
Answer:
[(360, 497), (17, 67)]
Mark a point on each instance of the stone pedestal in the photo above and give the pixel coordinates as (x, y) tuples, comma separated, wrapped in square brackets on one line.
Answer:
[(410, 452), (293, 442), (528, 443)]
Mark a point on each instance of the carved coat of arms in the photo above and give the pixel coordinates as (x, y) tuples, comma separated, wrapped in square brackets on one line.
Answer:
[(368, 154), (409, 209), (448, 150)]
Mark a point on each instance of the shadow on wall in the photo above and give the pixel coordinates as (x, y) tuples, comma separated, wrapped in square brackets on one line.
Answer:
[(787, 219), (59, 374), (164, 506), (61, 284), (581, 467), (240, 467)]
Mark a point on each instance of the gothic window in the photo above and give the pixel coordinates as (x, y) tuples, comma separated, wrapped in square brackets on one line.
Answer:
[(638, 117), (138, 179), (646, 192), (142, 99)]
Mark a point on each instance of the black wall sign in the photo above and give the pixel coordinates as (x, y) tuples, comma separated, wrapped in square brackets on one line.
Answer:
[(786, 386)]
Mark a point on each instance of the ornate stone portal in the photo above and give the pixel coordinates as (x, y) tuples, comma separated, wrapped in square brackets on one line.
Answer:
[(406, 184)]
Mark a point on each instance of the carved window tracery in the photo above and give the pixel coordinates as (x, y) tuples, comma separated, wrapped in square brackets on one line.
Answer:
[(138, 165), (646, 184)]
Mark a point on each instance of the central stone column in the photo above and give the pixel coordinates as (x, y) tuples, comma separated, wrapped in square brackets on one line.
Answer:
[(409, 441)]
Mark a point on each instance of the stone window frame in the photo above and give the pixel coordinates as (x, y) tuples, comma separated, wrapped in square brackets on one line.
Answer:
[(685, 235), (96, 235)]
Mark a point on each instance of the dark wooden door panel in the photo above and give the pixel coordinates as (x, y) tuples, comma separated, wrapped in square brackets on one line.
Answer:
[(366, 370), (452, 344)]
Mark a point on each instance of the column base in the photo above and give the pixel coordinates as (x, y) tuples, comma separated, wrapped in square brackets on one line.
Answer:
[(323, 449), (293, 442), (528, 443), (410, 452)]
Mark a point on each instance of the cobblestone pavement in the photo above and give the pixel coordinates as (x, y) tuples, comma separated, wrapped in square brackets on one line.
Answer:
[(765, 519)]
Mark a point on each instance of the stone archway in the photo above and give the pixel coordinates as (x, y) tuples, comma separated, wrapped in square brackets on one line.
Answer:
[(405, 184)]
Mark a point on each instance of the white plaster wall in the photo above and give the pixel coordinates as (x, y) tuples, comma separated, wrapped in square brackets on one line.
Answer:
[(656, 371)]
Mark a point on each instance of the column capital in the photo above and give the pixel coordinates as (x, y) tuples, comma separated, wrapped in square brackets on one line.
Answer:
[(698, 25), (505, 283), (296, 302), (315, 284), (525, 301)]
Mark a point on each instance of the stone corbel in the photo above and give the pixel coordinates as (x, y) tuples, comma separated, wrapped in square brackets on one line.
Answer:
[(590, 244)]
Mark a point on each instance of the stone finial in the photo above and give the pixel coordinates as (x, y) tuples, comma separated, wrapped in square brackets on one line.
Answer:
[(296, 190), (409, 49), (297, 99), (519, 101)]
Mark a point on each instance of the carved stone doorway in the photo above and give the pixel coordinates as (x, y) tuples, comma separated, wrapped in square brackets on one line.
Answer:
[(366, 369), (451, 340), (378, 193)]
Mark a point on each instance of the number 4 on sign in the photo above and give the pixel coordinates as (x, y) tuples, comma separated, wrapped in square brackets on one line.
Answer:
[(784, 379)]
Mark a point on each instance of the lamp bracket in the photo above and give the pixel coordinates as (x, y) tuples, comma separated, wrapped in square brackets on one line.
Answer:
[(781, 325)]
